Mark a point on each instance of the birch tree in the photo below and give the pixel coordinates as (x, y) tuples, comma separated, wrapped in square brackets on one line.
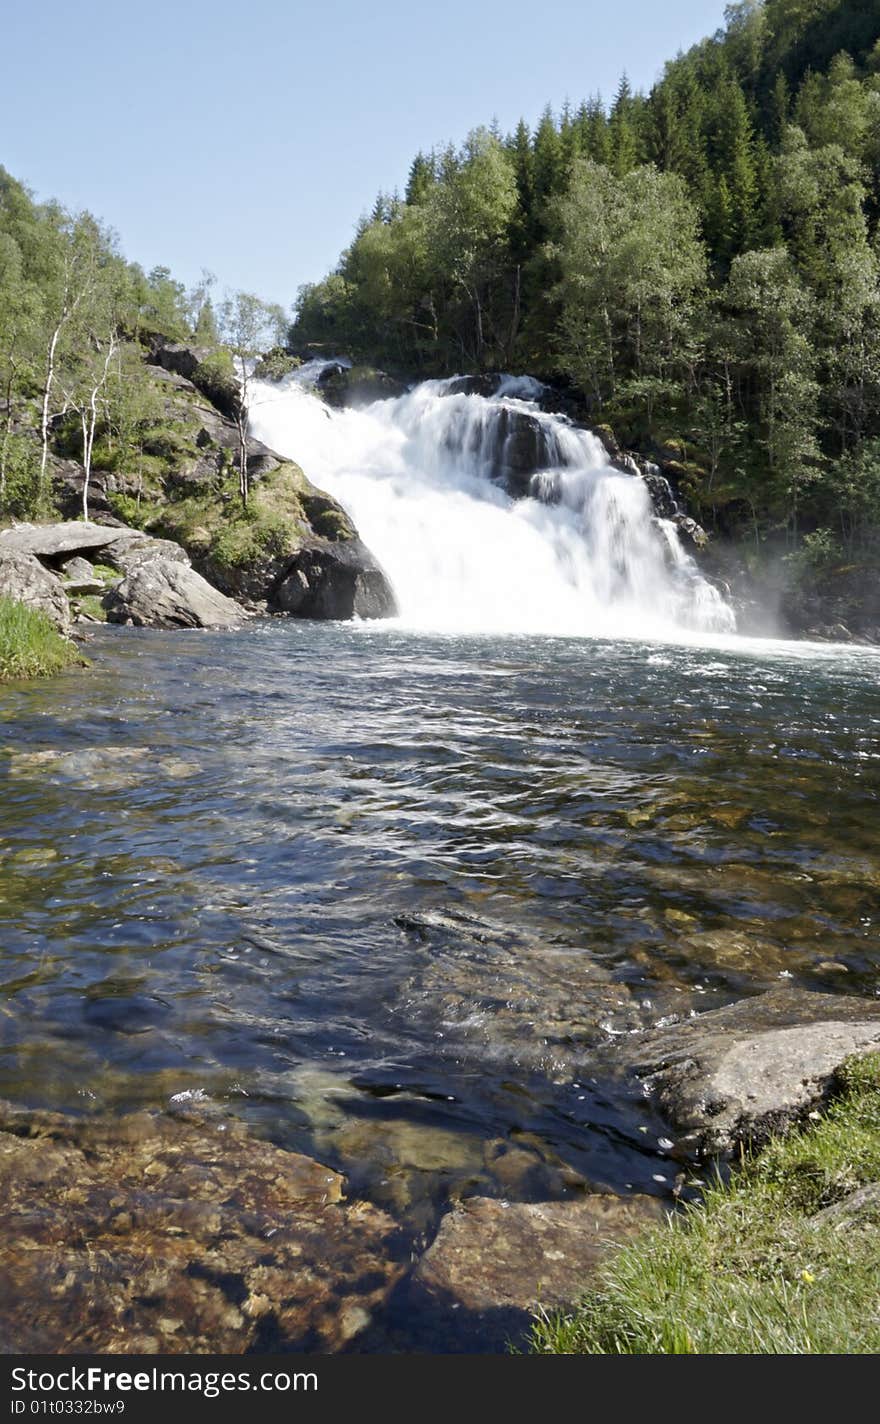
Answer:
[(247, 326), (78, 250)]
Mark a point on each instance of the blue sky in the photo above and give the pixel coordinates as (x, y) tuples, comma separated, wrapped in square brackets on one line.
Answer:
[(248, 137)]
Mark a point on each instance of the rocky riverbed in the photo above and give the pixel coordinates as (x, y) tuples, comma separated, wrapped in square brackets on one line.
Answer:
[(183, 1232)]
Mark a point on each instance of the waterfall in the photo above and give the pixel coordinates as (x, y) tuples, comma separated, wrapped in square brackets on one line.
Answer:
[(490, 515)]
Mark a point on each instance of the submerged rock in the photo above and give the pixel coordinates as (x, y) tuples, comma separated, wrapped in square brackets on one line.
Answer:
[(23, 579), (150, 1234), (494, 1263), (162, 592), (100, 768), (501, 995), (741, 1073)]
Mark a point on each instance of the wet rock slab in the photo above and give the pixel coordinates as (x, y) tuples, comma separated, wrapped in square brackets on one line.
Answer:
[(494, 1263), (738, 1074), (149, 1234)]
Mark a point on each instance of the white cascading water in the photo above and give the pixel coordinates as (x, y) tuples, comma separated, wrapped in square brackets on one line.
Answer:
[(583, 554)]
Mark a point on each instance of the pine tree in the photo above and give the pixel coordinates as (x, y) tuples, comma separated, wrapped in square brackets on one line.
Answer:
[(421, 176), (623, 132)]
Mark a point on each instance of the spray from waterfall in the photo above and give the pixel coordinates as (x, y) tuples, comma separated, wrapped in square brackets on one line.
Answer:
[(490, 515)]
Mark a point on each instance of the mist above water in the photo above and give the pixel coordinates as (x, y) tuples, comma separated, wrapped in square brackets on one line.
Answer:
[(423, 478)]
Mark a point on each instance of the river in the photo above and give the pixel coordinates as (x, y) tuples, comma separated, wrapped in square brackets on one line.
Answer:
[(394, 896)]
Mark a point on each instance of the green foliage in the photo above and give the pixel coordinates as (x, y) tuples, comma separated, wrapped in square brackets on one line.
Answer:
[(750, 1269), (29, 645), (276, 364), (819, 553), (132, 510), (228, 537), (164, 305), (21, 496), (632, 269), (701, 262)]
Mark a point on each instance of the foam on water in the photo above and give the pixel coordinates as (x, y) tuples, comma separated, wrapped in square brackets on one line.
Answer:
[(423, 478)]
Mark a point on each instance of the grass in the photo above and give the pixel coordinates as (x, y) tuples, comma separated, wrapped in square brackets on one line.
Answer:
[(92, 605), (748, 1270), (29, 645)]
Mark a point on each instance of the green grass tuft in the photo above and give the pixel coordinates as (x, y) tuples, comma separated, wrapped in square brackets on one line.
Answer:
[(29, 645), (749, 1270)]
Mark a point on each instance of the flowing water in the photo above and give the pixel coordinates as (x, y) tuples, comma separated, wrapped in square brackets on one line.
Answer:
[(393, 894), (423, 478), (394, 897)]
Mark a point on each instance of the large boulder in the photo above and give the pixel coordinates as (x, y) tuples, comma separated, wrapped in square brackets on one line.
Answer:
[(484, 383), (206, 368), (132, 549), (149, 1234), (334, 580), (525, 446), (165, 593), (739, 1074), (23, 579), (355, 386), (509, 443)]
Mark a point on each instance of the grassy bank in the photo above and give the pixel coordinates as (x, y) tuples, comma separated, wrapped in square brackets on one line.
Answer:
[(753, 1268), (29, 645)]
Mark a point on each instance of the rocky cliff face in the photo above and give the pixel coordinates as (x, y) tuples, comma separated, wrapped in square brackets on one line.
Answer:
[(186, 491)]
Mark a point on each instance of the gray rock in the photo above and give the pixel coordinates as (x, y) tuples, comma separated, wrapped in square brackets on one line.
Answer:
[(496, 1262), (194, 364), (24, 580), (51, 541), (741, 1073), (334, 580), (78, 588), (691, 530), (165, 593), (660, 490), (354, 386), (484, 384), (79, 570), (132, 549), (148, 1234), (860, 1208)]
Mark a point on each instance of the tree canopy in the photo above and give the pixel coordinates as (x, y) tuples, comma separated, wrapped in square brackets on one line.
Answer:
[(700, 262)]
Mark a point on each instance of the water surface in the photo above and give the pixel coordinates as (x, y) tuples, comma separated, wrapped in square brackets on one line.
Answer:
[(393, 897)]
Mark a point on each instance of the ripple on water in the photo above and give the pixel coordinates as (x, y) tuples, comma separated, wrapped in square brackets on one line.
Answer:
[(391, 897)]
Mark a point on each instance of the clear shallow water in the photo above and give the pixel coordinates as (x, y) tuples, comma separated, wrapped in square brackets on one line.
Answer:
[(392, 897)]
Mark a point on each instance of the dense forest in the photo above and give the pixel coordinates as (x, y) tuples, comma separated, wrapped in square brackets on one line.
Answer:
[(701, 264)]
